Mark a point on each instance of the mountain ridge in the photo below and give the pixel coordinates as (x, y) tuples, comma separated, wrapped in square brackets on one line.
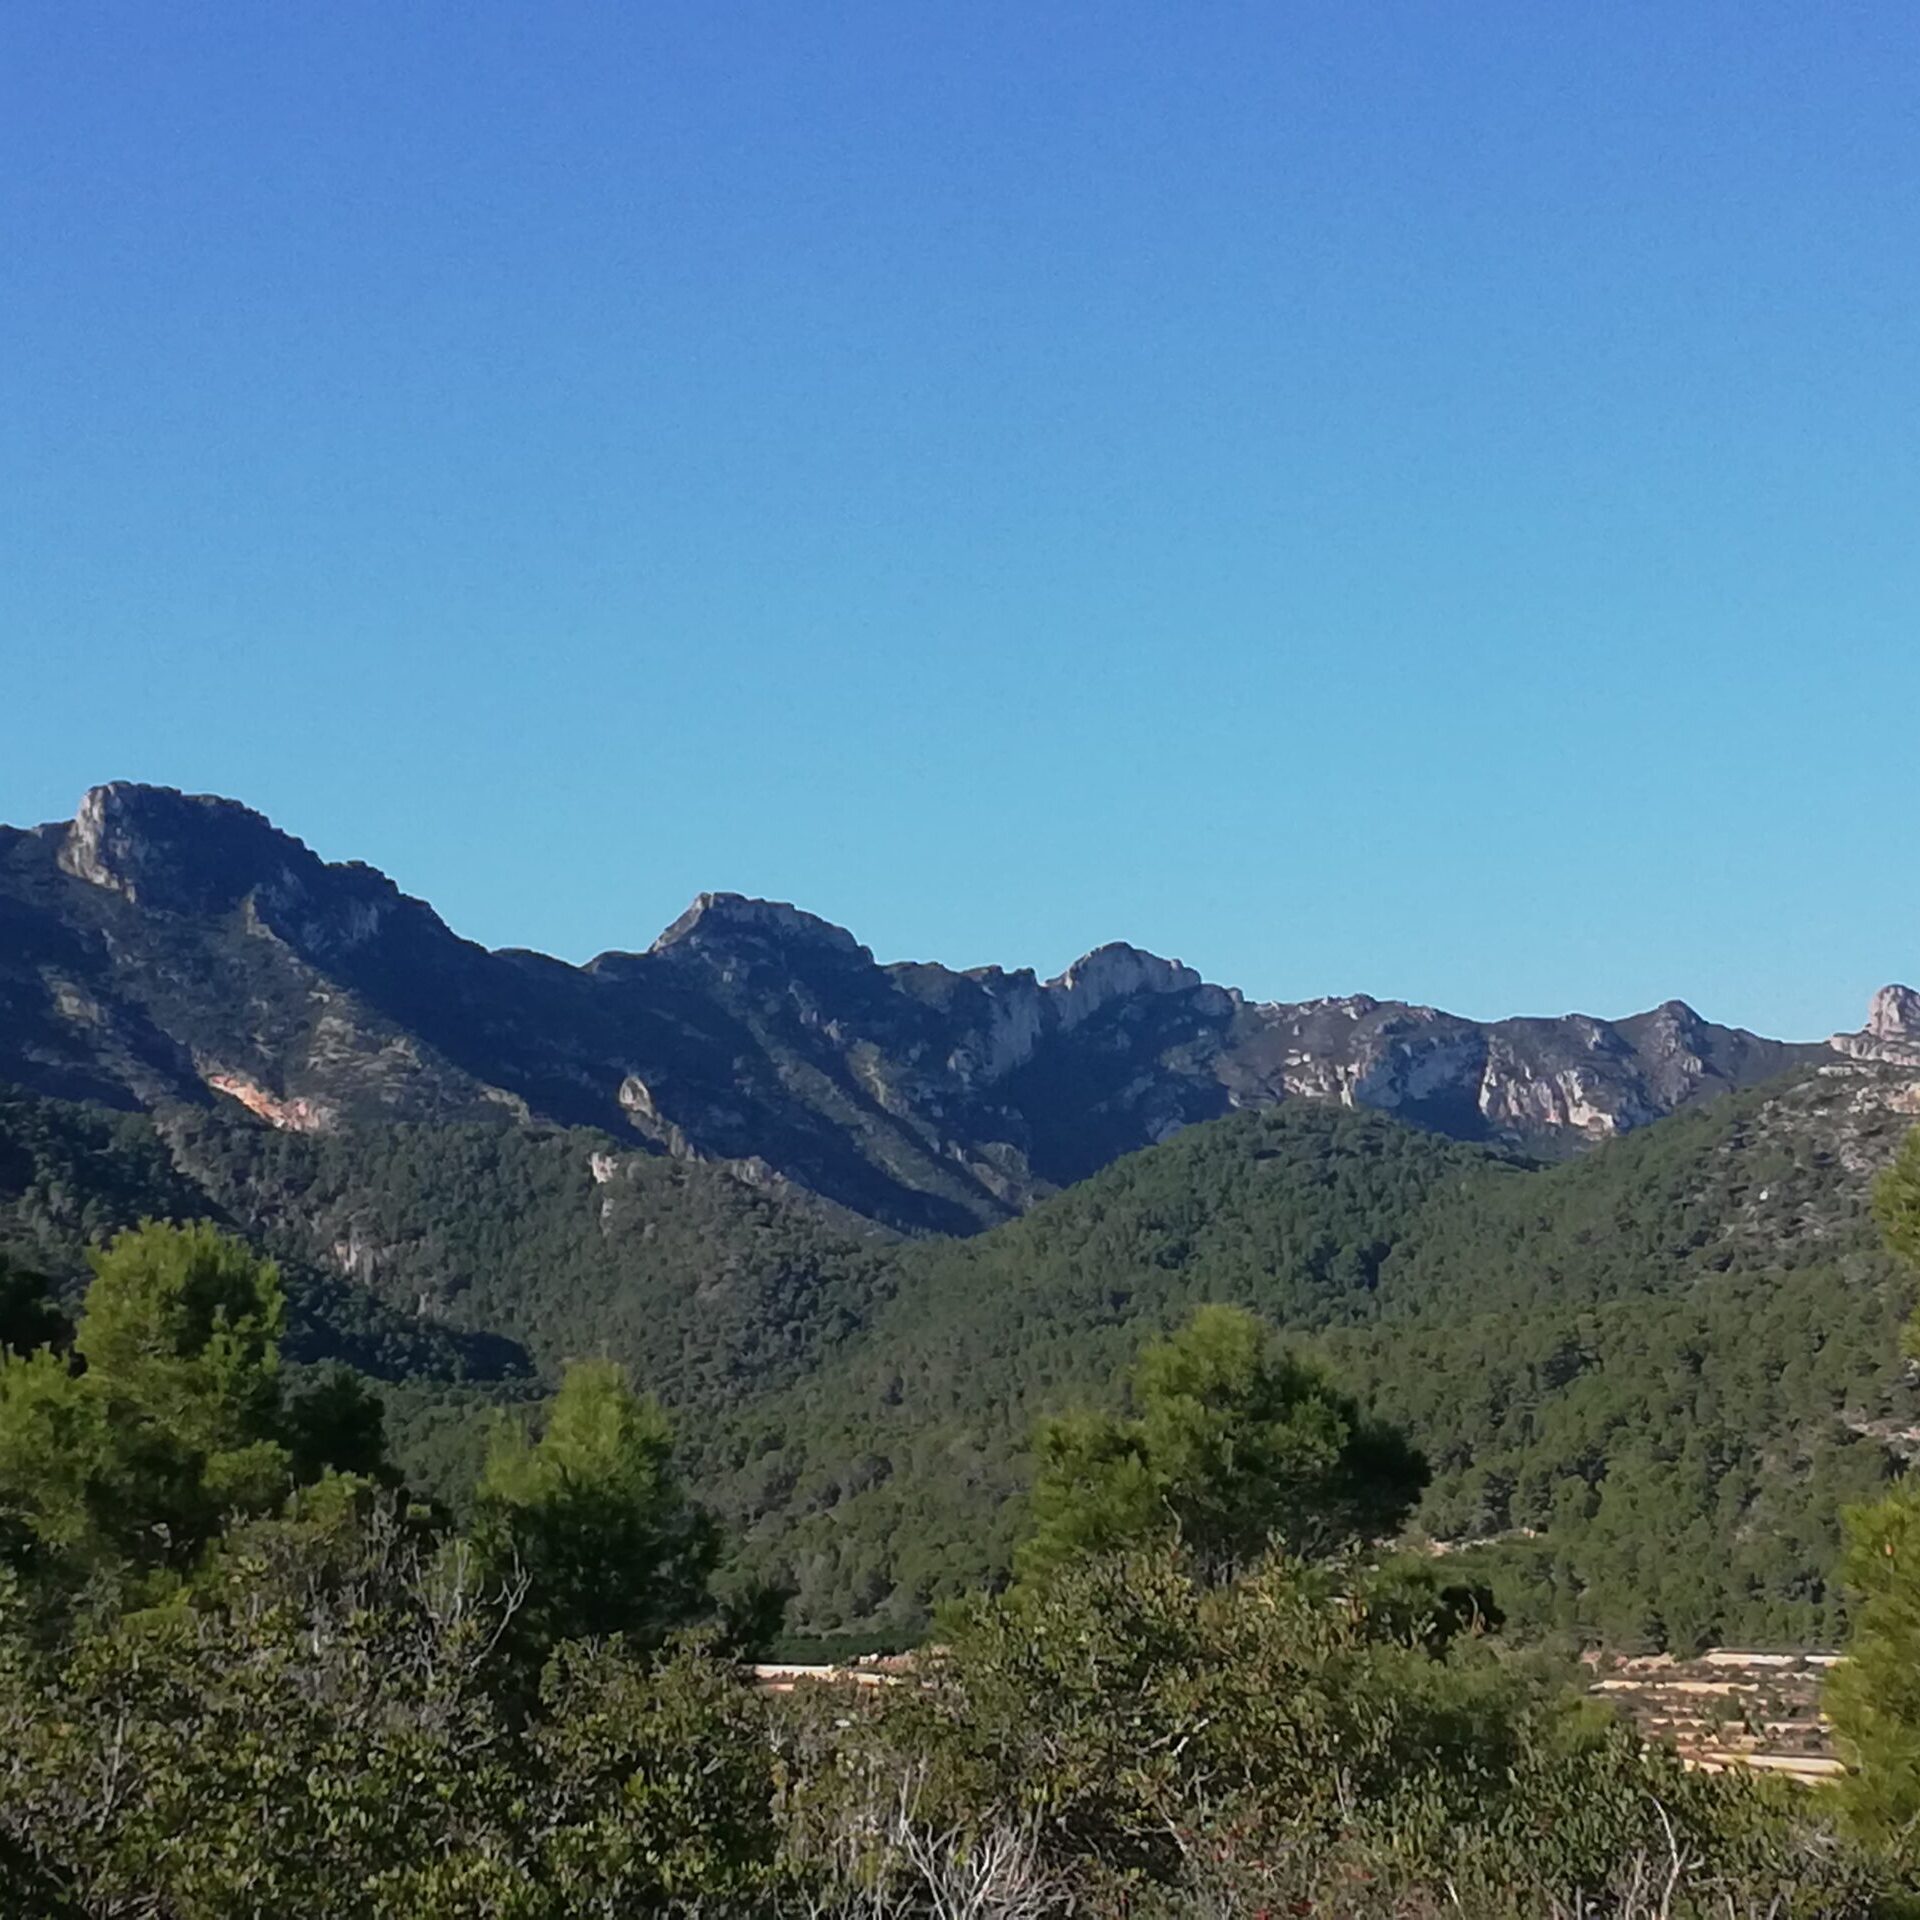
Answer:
[(165, 947)]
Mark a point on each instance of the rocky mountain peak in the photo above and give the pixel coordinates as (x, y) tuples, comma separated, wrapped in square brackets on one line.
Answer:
[(1673, 1027), (1892, 1032), (1116, 971), (179, 852), (1895, 1014), (196, 950), (196, 854), (726, 919)]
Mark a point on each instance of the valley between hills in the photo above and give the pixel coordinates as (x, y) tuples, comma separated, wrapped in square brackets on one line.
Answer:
[(859, 1226)]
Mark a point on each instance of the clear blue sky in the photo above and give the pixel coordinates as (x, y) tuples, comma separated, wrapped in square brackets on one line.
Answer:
[(1421, 498)]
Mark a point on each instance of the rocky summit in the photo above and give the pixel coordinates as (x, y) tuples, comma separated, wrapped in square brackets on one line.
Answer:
[(163, 948)]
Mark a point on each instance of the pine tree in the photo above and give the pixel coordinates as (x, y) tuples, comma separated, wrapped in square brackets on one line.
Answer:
[(1874, 1696), (1234, 1443)]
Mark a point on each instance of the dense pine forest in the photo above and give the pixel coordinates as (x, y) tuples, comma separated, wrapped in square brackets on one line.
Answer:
[(1652, 1376), (392, 1515), (246, 1668), (416, 1498), (1646, 1381)]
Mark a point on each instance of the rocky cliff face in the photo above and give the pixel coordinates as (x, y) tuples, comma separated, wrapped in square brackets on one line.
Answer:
[(162, 947), (1892, 1032)]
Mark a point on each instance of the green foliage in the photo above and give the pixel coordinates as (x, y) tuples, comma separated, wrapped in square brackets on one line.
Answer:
[(1896, 1205), (322, 1732), (334, 1422), (334, 1705), (1407, 1599), (29, 1319), (1234, 1442), (594, 1519), (1131, 1739), (168, 1420), (1647, 1380), (54, 1453), (1874, 1696), (180, 1337), (661, 1783), (72, 1176), (560, 1240), (1117, 1704)]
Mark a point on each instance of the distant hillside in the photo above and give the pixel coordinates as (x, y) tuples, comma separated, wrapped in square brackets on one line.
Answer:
[(1649, 1376), (1672, 1361), (453, 1261), (162, 949), (702, 1284), (73, 1176)]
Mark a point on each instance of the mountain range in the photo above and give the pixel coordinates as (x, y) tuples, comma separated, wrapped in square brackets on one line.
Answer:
[(163, 948), (859, 1225)]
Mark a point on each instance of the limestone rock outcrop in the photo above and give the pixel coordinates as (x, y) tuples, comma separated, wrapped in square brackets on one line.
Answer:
[(1892, 1032)]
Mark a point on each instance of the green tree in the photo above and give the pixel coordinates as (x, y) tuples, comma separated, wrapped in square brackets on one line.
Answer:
[(180, 1335), (336, 1423), (1896, 1204), (169, 1419), (54, 1453), (1129, 1738), (323, 1731), (658, 1777), (1874, 1696), (594, 1519), (1233, 1442)]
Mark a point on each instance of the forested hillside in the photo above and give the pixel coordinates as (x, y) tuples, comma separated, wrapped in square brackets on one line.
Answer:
[(699, 1282), (72, 1175), (454, 1263), (1672, 1360), (1651, 1376), (711, 1292), (245, 1670)]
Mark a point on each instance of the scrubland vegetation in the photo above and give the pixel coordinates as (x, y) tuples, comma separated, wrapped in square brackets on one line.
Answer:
[(243, 1670)]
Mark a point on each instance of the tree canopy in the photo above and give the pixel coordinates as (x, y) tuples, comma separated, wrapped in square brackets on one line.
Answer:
[(594, 1517), (1874, 1696), (307, 1692), (1233, 1443)]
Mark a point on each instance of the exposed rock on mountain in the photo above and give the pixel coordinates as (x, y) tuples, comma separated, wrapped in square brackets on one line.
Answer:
[(163, 947), (1892, 1031)]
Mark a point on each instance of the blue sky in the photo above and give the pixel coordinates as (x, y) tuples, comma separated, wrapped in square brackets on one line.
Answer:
[(1417, 498)]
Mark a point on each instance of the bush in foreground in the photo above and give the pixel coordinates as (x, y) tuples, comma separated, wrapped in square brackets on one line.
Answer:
[(1134, 1740)]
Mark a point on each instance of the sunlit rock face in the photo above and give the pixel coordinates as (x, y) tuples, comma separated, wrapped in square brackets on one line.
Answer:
[(1892, 1032), (171, 947), (175, 852)]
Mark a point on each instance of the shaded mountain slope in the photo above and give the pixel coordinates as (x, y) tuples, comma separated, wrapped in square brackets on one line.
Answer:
[(459, 1262), (705, 1287), (73, 1176), (170, 948)]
